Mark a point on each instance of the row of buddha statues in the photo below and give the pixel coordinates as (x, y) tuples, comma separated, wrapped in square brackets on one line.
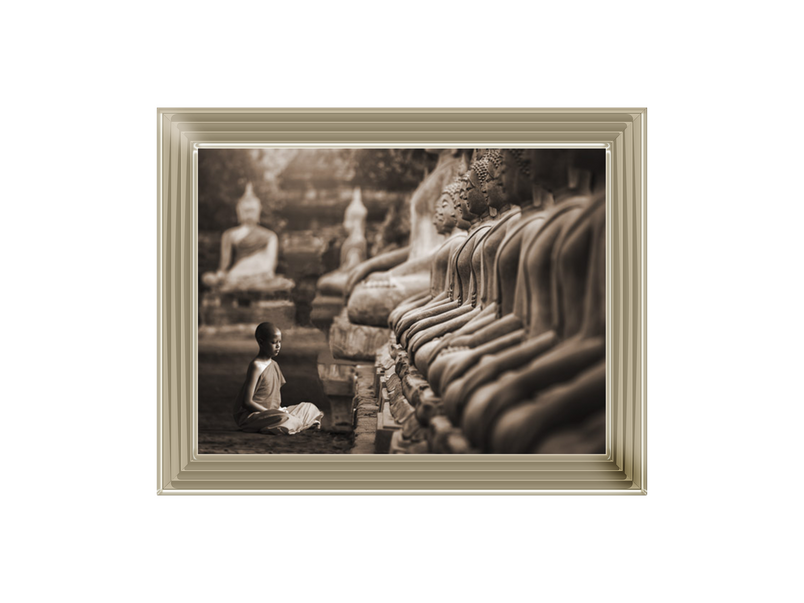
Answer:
[(497, 310)]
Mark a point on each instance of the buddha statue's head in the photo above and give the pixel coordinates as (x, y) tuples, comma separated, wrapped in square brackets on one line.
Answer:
[(588, 166), (473, 202), (490, 172), (249, 207), (506, 178), (438, 214), (354, 218), (549, 168), (449, 207)]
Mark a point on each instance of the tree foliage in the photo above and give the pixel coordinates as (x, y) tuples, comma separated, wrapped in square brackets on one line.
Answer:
[(222, 178), (391, 169)]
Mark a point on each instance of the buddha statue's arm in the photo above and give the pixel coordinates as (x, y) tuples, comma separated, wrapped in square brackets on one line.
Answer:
[(384, 261), (420, 265), (411, 303), (272, 252), (226, 252), (494, 329)]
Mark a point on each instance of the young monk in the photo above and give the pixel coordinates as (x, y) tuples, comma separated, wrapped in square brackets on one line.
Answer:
[(257, 407)]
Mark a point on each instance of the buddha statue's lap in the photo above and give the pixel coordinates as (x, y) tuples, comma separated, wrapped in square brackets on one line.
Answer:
[(582, 437), (372, 300)]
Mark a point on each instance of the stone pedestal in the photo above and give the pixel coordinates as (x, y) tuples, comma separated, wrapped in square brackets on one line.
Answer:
[(339, 381), (221, 308), (355, 342)]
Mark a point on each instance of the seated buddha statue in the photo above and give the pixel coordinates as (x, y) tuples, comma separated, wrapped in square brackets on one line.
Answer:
[(465, 273), (528, 330), (353, 250), (249, 253), (578, 334), (448, 222), (507, 186), (406, 272)]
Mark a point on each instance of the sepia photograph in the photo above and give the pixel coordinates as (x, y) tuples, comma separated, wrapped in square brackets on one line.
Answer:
[(401, 301)]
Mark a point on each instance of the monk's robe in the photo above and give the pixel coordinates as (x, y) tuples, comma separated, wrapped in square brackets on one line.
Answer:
[(277, 420)]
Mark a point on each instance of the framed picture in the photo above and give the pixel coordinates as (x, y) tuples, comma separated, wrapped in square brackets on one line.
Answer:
[(385, 301)]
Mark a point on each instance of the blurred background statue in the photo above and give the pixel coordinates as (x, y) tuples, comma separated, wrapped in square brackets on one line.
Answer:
[(249, 252), (353, 250), (377, 286)]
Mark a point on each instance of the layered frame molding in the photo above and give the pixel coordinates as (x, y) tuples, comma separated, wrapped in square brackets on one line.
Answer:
[(181, 470)]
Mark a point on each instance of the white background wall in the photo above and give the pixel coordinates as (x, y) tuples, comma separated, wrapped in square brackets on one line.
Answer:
[(81, 85)]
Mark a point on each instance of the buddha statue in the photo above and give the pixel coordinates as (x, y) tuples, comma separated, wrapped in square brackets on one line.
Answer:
[(353, 250), (377, 286), (448, 222), (531, 327), (249, 253), (576, 339)]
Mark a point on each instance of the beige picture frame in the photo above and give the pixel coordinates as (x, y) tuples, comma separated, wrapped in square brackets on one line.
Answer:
[(182, 470)]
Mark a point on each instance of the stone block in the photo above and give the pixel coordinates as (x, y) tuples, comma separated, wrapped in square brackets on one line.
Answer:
[(444, 438), (386, 426), (338, 379), (383, 357), (413, 430), (400, 409), (355, 342), (439, 430), (325, 308)]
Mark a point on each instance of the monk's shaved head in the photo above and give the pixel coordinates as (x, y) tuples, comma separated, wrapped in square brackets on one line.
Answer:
[(265, 331)]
